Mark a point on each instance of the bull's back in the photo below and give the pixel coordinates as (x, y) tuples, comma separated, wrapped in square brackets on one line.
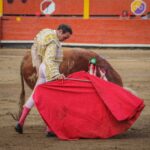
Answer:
[(76, 60)]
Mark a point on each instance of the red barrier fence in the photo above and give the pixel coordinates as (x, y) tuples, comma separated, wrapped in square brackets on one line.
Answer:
[(99, 31), (20, 21)]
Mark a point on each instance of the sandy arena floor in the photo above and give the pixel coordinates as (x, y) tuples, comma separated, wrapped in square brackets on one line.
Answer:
[(133, 66)]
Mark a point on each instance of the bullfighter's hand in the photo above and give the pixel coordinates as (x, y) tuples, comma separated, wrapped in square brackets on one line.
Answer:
[(61, 76)]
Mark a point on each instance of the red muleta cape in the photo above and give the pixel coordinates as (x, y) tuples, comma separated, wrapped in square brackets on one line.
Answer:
[(86, 109)]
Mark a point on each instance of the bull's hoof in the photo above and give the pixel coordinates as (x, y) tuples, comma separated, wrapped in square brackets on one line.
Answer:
[(50, 134), (19, 128)]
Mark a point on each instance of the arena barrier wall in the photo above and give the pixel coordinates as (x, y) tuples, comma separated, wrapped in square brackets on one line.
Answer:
[(22, 21)]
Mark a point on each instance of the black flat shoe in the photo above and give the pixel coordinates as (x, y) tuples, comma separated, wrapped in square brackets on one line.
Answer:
[(19, 129), (50, 134)]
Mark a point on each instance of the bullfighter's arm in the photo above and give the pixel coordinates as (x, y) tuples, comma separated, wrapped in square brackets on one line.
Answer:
[(52, 63)]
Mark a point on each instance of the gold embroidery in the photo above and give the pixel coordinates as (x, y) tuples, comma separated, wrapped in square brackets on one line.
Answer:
[(44, 38), (52, 66), (49, 48)]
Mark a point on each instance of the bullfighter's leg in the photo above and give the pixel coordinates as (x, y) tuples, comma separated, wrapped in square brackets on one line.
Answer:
[(30, 102), (36, 59)]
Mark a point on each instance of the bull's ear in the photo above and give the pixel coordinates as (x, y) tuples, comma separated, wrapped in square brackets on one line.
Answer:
[(10, 1)]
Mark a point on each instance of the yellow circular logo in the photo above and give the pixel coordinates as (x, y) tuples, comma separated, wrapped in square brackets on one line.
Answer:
[(138, 7)]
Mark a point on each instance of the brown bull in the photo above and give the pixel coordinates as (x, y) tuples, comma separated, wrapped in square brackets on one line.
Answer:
[(74, 60)]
